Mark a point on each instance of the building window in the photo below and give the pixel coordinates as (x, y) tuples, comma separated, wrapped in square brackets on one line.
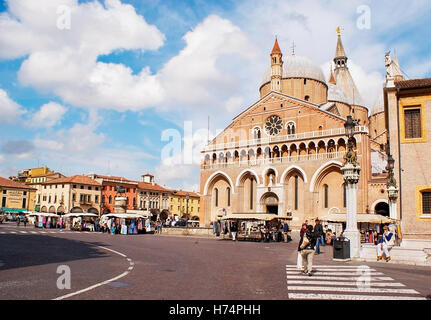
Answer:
[(291, 128), (216, 197), (228, 196), (307, 98), (110, 200), (426, 202), (296, 192), (96, 199), (251, 194), (326, 194), (412, 123)]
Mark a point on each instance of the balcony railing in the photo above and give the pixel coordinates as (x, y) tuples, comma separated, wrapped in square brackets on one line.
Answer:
[(279, 160), (283, 138)]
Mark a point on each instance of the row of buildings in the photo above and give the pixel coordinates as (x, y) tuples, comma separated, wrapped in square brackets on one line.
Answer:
[(43, 190)]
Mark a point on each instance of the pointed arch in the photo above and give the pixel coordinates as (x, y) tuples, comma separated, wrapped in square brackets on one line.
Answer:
[(241, 174), (286, 172), (214, 175), (320, 170)]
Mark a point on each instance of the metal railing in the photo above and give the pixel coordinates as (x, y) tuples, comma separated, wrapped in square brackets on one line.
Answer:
[(277, 160), (283, 138)]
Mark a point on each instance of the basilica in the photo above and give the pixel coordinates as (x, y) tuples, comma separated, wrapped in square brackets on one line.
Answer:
[(283, 154)]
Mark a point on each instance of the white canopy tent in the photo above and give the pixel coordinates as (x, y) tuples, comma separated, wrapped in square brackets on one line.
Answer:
[(125, 215), (253, 216), (82, 214), (44, 214)]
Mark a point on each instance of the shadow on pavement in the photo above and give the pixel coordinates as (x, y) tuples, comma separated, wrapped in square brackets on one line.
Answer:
[(17, 251)]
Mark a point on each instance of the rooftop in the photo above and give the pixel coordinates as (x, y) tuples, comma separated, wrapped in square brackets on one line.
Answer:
[(6, 183), (78, 179), (413, 83)]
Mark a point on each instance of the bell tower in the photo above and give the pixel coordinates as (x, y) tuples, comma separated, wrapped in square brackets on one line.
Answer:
[(276, 67), (340, 59)]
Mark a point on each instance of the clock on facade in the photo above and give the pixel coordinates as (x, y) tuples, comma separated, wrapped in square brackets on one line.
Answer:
[(273, 125)]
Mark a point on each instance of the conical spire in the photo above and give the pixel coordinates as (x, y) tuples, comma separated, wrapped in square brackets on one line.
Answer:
[(339, 51), (276, 48)]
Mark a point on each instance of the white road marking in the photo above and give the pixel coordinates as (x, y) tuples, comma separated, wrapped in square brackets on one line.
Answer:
[(42, 232), (104, 282), (12, 232), (33, 232), (318, 268), (329, 266), (346, 283), (342, 289), (352, 273), (317, 296), (338, 278), (23, 232)]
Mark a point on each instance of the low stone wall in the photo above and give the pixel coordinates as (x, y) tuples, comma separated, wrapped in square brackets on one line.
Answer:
[(190, 232), (419, 257)]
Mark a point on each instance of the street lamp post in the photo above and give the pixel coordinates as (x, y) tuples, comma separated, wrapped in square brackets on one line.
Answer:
[(187, 205), (392, 189), (351, 171)]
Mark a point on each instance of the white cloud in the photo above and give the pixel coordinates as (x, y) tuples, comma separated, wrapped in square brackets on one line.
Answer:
[(49, 115), (65, 61), (10, 111)]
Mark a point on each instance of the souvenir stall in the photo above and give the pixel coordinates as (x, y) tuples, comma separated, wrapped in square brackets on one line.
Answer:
[(369, 225), (127, 223), (254, 227), (81, 221), (43, 219)]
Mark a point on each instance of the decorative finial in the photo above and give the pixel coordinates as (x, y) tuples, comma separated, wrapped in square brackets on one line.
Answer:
[(339, 31), (293, 48)]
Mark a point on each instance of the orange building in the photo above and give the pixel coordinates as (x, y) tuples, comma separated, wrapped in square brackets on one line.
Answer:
[(109, 191)]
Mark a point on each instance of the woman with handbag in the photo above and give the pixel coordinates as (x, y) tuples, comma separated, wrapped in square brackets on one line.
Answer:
[(301, 234), (306, 248)]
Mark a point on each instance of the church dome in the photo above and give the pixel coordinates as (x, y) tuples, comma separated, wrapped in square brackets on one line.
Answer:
[(298, 67), (336, 94)]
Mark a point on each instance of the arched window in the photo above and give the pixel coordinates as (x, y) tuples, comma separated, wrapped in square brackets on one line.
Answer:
[(251, 194), (216, 197), (291, 128), (256, 133), (228, 196), (296, 192), (326, 195), (307, 98), (110, 199)]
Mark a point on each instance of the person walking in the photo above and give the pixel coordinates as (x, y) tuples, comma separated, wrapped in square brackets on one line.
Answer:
[(306, 248), (286, 231), (302, 231), (234, 230), (386, 243), (318, 231)]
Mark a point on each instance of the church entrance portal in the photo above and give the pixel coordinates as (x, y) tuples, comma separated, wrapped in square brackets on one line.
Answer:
[(270, 203)]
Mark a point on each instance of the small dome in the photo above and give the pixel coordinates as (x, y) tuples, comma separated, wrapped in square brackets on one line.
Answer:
[(336, 94), (298, 67)]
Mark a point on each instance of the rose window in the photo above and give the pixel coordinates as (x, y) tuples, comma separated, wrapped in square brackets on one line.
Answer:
[(273, 125)]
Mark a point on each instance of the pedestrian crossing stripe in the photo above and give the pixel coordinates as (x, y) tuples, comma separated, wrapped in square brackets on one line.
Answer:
[(299, 277), (358, 289), (329, 266), (320, 296), (351, 273), (359, 268), (346, 283)]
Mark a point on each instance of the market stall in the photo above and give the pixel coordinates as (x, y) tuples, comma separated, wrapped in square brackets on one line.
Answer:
[(83, 221), (255, 226), (370, 225), (43, 219), (128, 223)]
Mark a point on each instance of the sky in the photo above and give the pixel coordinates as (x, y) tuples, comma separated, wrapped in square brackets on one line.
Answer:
[(127, 87)]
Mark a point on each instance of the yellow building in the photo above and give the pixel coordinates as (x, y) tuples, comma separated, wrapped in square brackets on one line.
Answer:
[(183, 203), (16, 197), (29, 175)]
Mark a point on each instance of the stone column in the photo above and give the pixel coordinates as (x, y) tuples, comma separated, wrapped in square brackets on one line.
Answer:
[(393, 197), (351, 178)]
